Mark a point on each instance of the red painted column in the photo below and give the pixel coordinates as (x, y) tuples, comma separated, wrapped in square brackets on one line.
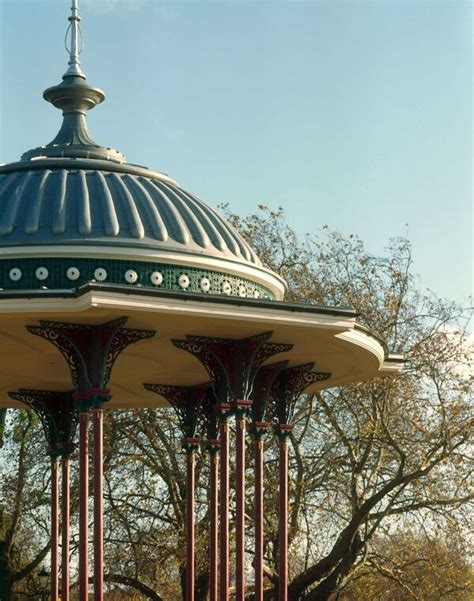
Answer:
[(65, 503), (283, 522), (240, 503), (54, 529), (190, 542), (83, 506), (259, 540), (213, 511), (98, 504), (224, 510)]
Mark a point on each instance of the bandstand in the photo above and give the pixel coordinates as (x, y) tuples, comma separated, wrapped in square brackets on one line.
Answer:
[(119, 289)]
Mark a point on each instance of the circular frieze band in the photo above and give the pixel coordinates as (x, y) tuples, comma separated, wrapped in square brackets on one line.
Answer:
[(66, 273)]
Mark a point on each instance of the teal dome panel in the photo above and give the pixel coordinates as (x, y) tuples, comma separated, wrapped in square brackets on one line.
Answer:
[(71, 202)]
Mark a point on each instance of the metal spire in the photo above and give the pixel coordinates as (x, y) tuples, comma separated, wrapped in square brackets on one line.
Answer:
[(74, 96), (75, 44)]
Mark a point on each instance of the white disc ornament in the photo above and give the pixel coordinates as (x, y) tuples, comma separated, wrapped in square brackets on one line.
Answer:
[(15, 274), (100, 274)]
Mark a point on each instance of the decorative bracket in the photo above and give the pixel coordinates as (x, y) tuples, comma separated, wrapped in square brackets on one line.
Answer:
[(210, 422), (90, 352), (187, 402), (261, 395), (232, 365), (58, 416), (288, 386)]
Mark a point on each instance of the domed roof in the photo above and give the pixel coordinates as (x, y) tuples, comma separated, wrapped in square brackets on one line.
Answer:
[(84, 202), (76, 198)]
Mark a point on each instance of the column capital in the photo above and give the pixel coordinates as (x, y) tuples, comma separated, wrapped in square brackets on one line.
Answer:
[(213, 446), (87, 400), (223, 411), (283, 431), (241, 407), (190, 444), (257, 430)]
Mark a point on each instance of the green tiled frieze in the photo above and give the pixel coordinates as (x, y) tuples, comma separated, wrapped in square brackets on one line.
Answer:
[(69, 273)]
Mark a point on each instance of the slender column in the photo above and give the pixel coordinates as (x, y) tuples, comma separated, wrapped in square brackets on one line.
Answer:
[(98, 505), (59, 418), (283, 522), (83, 506), (90, 351), (259, 540), (190, 543), (240, 502), (54, 529), (224, 510), (213, 511), (65, 530)]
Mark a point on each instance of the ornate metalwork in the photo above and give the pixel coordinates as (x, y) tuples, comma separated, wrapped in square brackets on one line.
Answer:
[(90, 352), (262, 389), (58, 416), (65, 347), (232, 363), (287, 388), (58, 279), (210, 423), (268, 350), (123, 338), (187, 402), (210, 362)]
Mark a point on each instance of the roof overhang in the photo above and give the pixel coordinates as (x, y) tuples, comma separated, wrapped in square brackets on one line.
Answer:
[(328, 336)]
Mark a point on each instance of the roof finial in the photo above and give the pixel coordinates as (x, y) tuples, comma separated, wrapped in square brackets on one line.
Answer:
[(75, 44), (74, 96)]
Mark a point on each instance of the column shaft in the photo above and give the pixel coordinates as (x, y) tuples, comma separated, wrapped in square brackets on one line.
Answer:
[(83, 506), (54, 529), (283, 524), (213, 509), (240, 510), (259, 541), (65, 502), (224, 512), (190, 543), (98, 505)]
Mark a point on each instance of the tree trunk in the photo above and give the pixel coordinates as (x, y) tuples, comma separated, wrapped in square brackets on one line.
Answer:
[(5, 571)]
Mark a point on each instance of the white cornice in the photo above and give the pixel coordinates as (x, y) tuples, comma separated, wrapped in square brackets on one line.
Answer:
[(131, 302), (366, 341)]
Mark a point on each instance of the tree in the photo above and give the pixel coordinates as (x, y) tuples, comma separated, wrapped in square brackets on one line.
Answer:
[(24, 499), (412, 566)]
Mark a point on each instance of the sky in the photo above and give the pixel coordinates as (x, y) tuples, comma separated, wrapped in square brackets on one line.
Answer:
[(353, 114)]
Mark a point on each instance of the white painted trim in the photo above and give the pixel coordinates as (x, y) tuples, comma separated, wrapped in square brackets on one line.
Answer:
[(259, 275), (388, 368), (371, 344), (130, 302)]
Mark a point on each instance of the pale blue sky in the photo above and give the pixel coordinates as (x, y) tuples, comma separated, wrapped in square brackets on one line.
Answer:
[(355, 114)]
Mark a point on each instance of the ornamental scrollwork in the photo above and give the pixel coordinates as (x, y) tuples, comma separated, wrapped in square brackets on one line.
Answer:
[(287, 388), (57, 414), (186, 402), (263, 387)]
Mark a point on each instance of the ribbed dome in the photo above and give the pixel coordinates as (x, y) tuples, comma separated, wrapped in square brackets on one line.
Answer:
[(91, 202)]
